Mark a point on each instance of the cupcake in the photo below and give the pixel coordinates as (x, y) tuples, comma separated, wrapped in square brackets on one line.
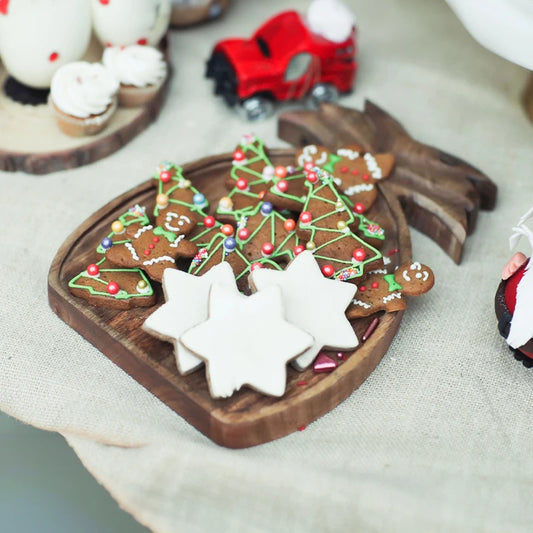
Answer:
[(83, 96), (140, 70)]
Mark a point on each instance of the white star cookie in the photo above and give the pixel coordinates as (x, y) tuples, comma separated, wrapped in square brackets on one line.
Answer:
[(313, 303), (186, 299), (246, 341)]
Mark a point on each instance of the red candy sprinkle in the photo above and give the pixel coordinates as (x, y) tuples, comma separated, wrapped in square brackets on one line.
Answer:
[(147, 252), (362, 288), (151, 246), (238, 155), (298, 249), (355, 172), (93, 270), (142, 42), (306, 217), (254, 266), (227, 229), (289, 224), (328, 271), (301, 428), (54, 56), (358, 208), (301, 383), (267, 248), (112, 287), (156, 239), (312, 177), (359, 254), (104, 2), (365, 177), (375, 285), (165, 176), (393, 251), (344, 169), (241, 184), (308, 165), (280, 172), (243, 234), (370, 329), (282, 185), (209, 221)]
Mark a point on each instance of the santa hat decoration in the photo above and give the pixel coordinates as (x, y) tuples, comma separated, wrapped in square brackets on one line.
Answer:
[(522, 322), (331, 19), (3, 7)]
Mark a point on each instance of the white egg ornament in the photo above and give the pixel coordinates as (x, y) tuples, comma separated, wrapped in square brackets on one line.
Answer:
[(125, 22), (39, 36)]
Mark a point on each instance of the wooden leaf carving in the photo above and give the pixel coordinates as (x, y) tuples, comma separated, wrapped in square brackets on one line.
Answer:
[(440, 193)]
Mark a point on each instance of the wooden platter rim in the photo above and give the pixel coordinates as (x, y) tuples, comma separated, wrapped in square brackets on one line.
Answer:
[(221, 426)]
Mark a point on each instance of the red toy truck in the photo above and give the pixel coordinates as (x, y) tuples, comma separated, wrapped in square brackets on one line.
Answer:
[(283, 60)]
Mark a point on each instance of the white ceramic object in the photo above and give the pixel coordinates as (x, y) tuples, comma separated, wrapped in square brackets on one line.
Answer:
[(39, 36), (503, 26), (125, 22)]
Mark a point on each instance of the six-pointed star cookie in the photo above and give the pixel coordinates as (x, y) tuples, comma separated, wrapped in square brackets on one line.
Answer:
[(246, 341), (186, 299), (313, 303)]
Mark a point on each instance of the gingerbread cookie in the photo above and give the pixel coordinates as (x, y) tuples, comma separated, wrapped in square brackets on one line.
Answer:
[(325, 224), (250, 354), (355, 172), (313, 303), (381, 291), (152, 249), (103, 285)]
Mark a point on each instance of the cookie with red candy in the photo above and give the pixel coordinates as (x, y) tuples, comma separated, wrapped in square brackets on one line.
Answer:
[(102, 284), (381, 291), (355, 172)]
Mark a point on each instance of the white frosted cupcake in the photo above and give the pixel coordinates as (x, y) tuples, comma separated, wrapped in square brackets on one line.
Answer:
[(83, 96), (141, 70)]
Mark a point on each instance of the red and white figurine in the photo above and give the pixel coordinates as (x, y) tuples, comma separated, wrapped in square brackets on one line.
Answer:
[(514, 297), (39, 36), (125, 22)]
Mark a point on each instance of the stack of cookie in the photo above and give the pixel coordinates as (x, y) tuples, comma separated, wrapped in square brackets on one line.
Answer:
[(296, 236)]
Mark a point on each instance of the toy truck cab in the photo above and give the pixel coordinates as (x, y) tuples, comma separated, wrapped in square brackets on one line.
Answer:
[(283, 60)]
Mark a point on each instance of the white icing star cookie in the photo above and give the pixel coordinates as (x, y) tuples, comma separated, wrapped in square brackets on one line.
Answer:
[(246, 341), (313, 303), (186, 306)]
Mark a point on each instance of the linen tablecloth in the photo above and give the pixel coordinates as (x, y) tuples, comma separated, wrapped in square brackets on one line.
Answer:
[(437, 439)]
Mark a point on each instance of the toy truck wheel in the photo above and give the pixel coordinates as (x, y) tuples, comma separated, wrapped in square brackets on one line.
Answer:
[(322, 92), (257, 108)]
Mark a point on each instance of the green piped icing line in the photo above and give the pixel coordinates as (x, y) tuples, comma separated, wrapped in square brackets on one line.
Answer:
[(393, 284), (134, 215), (216, 247), (352, 269), (121, 295), (179, 182)]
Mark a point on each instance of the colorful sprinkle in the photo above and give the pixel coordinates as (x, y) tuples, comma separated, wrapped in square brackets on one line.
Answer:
[(324, 363), (370, 329)]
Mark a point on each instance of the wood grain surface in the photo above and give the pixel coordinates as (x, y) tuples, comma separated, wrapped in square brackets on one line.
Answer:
[(247, 418)]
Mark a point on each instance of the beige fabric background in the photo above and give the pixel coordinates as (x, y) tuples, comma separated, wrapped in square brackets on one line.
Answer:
[(439, 437)]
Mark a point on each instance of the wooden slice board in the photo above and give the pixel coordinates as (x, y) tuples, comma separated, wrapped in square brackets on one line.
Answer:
[(248, 418), (31, 141)]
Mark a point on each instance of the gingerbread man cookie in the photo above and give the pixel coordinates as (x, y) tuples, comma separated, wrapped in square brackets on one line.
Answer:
[(355, 172), (385, 292), (152, 249)]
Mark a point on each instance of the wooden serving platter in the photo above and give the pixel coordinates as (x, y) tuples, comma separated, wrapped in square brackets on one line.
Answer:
[(31, 141), (247, 418)]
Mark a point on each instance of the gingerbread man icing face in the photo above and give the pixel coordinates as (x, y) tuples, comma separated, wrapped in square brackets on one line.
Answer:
[(415, 279), (153, 249), (177, 219)]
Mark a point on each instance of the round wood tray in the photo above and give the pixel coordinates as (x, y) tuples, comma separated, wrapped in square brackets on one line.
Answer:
[(31, 141), (247, 418)]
